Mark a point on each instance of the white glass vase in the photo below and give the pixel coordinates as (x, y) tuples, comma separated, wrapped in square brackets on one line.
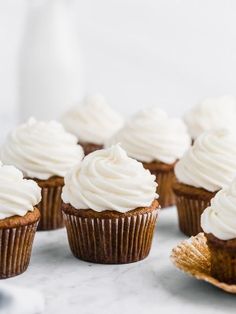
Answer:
[(50, 71)]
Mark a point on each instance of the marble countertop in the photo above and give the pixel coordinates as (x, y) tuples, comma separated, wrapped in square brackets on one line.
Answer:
[(152, 286)]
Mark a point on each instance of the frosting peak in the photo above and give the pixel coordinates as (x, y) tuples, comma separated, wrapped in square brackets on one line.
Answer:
[(212, 112), (41, 149), (109, 180), (117, 154), (211, 162), (17, 195), (151, 135), (220, 218), (92, 121)]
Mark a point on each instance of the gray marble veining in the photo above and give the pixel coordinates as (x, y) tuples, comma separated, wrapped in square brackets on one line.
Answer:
[(152, 286)]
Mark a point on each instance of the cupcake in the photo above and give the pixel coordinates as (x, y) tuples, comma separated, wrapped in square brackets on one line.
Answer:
[(92, 122), (207, 167), (110, 208), (18, 220), (44, 152), (218, 222), (211, 113), (158, 142)]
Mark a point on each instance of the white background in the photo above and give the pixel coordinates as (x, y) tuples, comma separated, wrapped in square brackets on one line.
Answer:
[(137, 52)]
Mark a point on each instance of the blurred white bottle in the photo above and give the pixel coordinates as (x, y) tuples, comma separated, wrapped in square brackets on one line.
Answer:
[(50, 67)]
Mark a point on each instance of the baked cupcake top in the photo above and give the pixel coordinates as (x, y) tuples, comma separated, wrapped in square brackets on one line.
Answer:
[(17, 195), (41, 149), (151, 135), (92, 121), (211, 162), (212, 112), (220, 218), (109, 180)]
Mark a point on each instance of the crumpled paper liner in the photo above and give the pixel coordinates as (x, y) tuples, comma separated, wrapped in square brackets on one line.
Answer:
[(193, 257)]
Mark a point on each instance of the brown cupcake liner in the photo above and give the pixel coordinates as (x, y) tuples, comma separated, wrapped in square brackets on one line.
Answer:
[(191, 202), (90, 147), (165, 177), (16, 247), (50, 205), (223, 259), (110, 238)]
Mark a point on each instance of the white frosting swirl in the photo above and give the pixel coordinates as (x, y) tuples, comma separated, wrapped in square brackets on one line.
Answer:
[(220, 218), (211, 113), (41, 149), (17, 195), (211, 162), (92, 121), (151, 135), (109, 180)]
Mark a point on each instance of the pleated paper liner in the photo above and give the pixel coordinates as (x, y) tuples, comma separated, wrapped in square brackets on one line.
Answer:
[(190, 203), (16, 240), (165, 177), (110, 237), (50, 205), (193, 257)]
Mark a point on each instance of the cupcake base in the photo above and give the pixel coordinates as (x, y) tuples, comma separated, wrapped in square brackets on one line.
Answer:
[(191, 202), (110, 237), (90, 147), (16, 240), (50, 205), (223, 258), (165, 178)]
